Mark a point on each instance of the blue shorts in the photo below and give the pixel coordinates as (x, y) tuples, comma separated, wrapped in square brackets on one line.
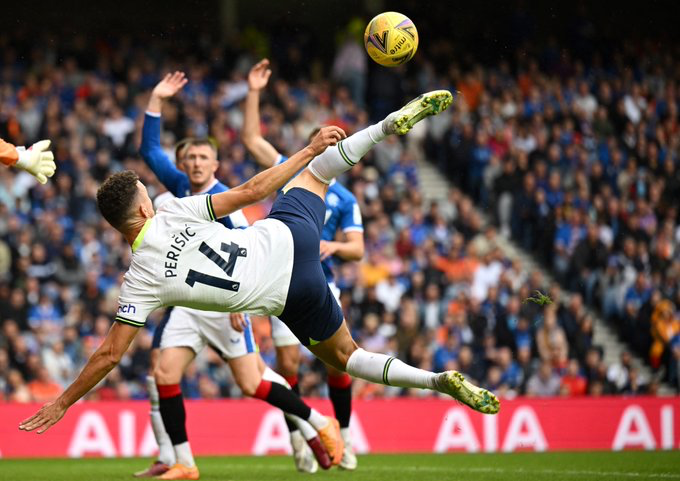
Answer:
[(158, 332), (311, 311)]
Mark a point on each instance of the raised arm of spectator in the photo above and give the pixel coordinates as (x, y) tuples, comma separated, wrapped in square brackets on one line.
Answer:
[(152, 152), (37, 161), (264, 153)]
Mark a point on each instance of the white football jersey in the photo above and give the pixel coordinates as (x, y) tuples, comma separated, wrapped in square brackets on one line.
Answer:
[(183, 258)]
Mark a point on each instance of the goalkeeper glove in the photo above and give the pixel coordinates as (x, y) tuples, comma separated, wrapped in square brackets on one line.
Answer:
[(37, 160)]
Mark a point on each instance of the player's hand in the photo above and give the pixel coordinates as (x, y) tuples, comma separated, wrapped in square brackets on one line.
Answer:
[(326, 137), (238, 321), (328, 248), (259, 75), (37, 160), (170, 85), (48, 415)]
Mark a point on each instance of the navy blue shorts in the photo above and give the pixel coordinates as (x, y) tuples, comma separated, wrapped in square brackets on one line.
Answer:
[(158, 333), (311, 311)]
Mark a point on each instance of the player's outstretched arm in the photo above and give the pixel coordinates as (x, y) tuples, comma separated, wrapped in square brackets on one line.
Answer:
[(38, 160), (102, 361), (264, 153), (150, 150), (272, 179)]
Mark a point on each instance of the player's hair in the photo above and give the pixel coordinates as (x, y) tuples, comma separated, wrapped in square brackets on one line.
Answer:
[(313, 133), (181, 147), (116, 197), (196, 142)]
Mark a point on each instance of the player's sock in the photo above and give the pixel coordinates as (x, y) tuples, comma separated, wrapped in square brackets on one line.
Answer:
[(288, 381), (341, 157), (174, 419), (308, 432), (340, 393), (166, 454), (295, 387), (284, 399), (383, 369), (184, 454)]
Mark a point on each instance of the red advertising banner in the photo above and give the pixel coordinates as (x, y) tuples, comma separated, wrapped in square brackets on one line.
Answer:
[(378, 426)]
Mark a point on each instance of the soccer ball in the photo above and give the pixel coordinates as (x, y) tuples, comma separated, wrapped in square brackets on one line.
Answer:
[(391, 39)]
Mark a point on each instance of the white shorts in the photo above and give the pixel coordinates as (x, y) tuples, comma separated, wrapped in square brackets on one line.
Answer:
[(282, 335), (196, 329)]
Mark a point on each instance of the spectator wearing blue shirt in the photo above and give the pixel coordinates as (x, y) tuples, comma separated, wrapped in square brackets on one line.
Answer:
[(446, 353)]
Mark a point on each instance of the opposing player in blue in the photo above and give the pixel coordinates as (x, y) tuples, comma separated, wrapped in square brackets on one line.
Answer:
[(342, 213), (187, 331)]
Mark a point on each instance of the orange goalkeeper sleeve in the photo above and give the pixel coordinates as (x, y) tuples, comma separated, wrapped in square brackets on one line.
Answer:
[(8, 153)]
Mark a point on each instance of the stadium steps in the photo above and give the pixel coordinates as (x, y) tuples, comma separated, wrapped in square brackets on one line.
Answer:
[(435, 187)]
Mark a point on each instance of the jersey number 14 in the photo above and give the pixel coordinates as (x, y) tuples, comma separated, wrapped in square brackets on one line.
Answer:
[(234, 251)]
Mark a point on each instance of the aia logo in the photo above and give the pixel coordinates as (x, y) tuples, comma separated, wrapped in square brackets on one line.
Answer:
[(127, 309)]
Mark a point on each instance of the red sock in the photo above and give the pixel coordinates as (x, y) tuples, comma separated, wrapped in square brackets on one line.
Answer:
[(263, 390), (166, 391), (343, 381), (291, 380)]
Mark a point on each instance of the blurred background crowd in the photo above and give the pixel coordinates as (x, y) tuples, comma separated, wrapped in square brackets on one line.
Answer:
[(567, 143)]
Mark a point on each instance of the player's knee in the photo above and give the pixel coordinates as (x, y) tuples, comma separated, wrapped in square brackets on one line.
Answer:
[(343, 353), (288, 362), (248, 385), (163, 375)]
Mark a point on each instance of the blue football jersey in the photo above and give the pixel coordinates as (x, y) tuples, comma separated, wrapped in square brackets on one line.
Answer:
[(170, 176), (342, 212)]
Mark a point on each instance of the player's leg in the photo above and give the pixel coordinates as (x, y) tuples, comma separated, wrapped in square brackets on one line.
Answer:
[(340, 394), (166, 453), (342, 157), (258, 381), (180, 342), (341, 352), (287, 365), (173, 363)]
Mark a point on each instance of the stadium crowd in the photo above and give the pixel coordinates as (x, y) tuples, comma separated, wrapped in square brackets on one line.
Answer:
[(578, 162)]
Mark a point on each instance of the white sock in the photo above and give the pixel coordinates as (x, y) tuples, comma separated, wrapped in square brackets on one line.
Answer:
[(166, 454), (317, 420), (270, 375), (344, 432), (308, 432), (383, 369), (184, 454), (342, 157)]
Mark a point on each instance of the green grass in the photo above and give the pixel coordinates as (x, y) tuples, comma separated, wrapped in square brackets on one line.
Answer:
[(419, 467)]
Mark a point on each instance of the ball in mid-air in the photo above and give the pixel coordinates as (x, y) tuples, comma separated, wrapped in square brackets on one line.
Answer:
[(391, 39)]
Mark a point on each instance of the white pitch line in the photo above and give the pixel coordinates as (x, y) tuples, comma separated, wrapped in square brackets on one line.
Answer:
[(454, 469)]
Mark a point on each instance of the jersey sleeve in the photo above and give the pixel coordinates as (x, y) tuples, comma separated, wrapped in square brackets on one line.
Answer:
[(135, 303), (350, 220), (8, 153), (194, 207), (155, 157)]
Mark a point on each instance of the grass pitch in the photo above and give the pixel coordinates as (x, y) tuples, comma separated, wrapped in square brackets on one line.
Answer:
[(419, 467)]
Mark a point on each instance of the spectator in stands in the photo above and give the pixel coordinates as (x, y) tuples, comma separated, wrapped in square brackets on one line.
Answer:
[(665, 326), (544, 383), (579, 164), (43, 388), (573, 382)]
